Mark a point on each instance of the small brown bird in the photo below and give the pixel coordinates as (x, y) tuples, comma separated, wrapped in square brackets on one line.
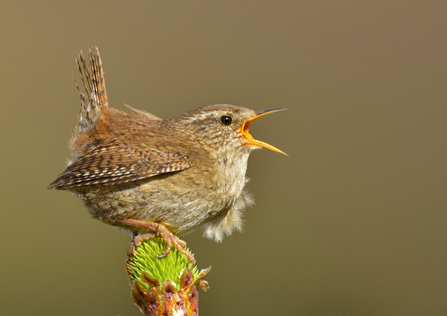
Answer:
[(158, 177)]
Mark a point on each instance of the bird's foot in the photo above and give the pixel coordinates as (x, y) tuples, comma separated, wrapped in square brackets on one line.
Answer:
[(157, 230)]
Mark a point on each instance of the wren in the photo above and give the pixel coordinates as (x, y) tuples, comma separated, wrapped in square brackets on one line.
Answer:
[(159, 177)]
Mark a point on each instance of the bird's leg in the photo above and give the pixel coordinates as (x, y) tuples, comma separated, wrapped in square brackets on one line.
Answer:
[(157, 230)]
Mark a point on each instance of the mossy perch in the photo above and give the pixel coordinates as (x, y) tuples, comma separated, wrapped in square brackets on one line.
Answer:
[(167, 285)]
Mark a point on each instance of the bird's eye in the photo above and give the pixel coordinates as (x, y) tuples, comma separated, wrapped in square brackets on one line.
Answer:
[(226, 120)]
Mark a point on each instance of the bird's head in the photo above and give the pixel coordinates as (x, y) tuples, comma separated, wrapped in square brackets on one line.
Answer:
[(224, 128)]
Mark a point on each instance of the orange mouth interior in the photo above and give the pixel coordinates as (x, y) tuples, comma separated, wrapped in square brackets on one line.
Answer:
[(251, 141)]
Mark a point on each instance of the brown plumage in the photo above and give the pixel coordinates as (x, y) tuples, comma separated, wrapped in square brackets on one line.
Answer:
[(136, 168)]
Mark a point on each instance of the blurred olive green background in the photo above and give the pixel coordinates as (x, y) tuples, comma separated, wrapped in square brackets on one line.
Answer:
[(353, 222)]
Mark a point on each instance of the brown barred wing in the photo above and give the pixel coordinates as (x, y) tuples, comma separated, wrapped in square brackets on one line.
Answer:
[(103, 167)]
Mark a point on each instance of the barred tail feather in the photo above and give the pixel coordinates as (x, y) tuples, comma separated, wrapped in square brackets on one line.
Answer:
[(94, 104)]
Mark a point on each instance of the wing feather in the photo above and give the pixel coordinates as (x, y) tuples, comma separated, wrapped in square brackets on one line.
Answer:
[(104, 167)]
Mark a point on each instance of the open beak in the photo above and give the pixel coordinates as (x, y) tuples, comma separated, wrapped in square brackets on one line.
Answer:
[(250, 140)]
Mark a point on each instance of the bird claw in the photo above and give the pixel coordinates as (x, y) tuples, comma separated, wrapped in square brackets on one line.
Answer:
[(157, 230), (138, 240)]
